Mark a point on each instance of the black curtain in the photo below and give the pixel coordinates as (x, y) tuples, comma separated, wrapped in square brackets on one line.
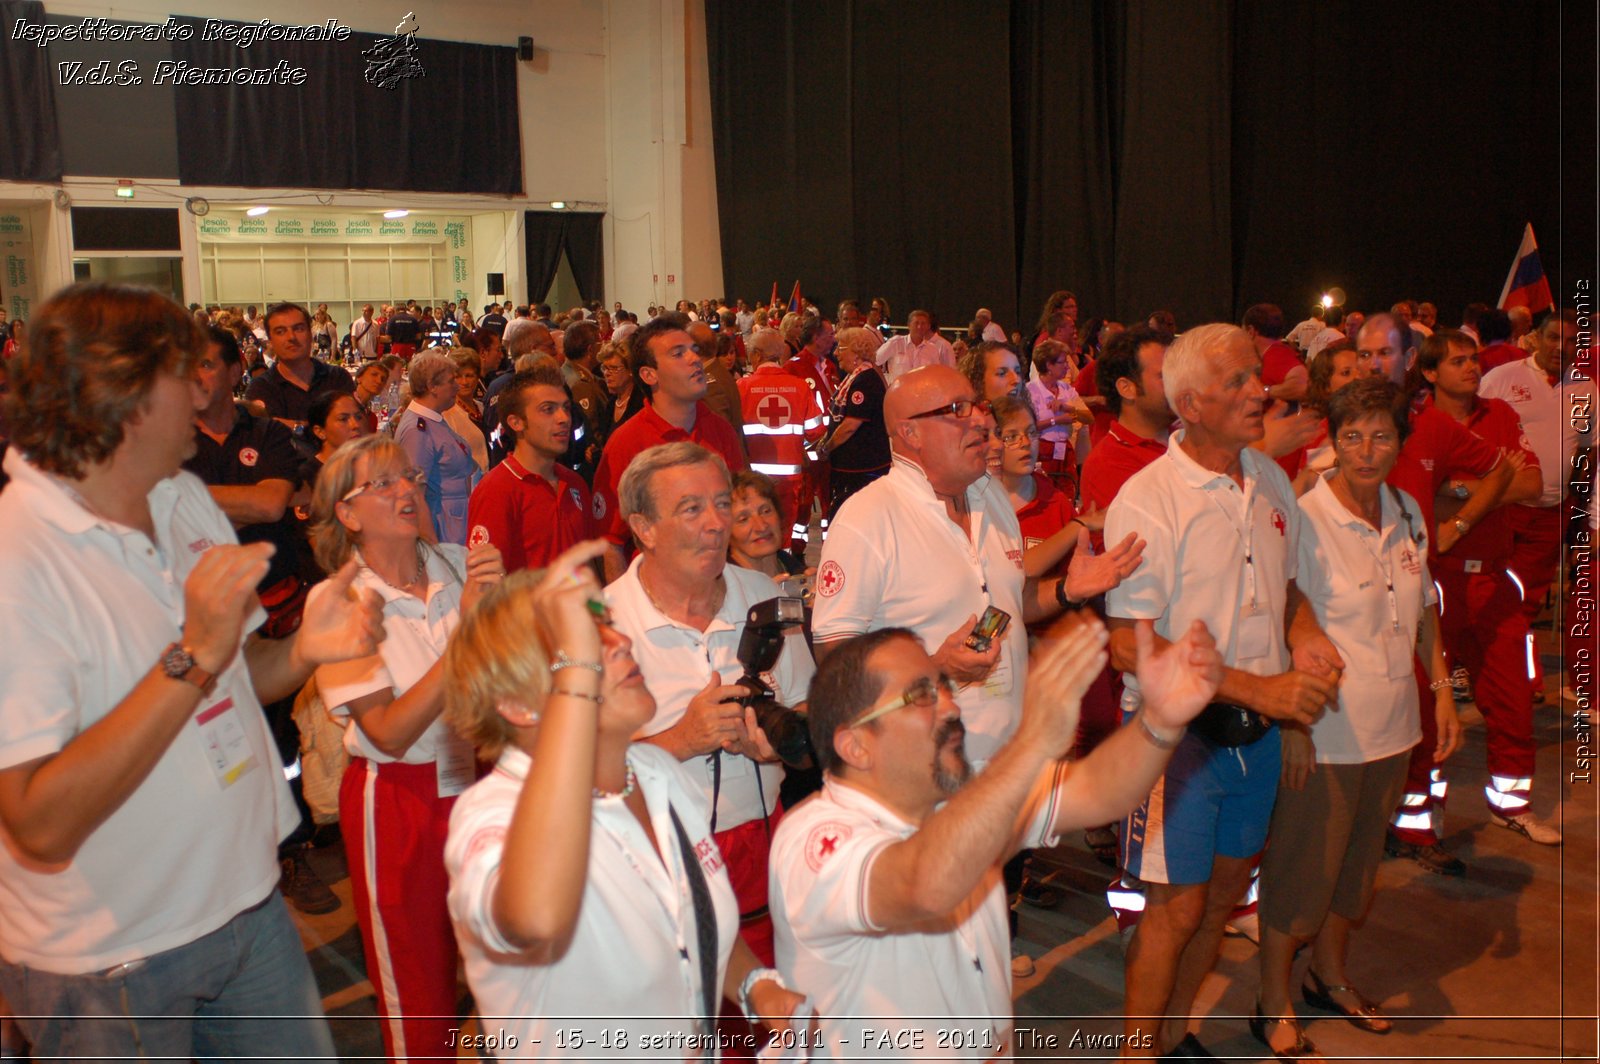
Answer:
[(337, 130), (27, 102), (549, 233), (1196, 157)]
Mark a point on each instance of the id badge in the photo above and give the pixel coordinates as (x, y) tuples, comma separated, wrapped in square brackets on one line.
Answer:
[(1397, 653), (227, 749), (453, 764), (1255, 635), (998, 683)]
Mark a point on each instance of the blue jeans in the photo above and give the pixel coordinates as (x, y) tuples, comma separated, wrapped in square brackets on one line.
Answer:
[(245, 989)]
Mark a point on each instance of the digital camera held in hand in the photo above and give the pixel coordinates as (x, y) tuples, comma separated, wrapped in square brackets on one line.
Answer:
[(759, 649)]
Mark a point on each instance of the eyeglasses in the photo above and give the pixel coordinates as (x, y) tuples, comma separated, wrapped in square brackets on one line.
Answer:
[(387, 483), (1014, 437), (1355, 441), (961, 408), (922, 692)]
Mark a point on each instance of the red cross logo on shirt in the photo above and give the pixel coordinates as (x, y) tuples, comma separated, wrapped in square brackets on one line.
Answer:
[(1278, 521), (773, 411), (828, 843)]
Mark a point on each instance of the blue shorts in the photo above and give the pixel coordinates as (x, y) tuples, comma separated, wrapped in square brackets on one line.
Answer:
[(1211, 801)]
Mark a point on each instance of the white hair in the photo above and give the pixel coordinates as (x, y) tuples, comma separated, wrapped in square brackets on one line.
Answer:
[(1189, 364)]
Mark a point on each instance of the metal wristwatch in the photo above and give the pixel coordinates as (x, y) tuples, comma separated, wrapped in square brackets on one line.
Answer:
[(1461, 526), (177, 661)]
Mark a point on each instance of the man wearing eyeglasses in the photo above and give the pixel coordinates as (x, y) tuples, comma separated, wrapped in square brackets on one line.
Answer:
[(886, 887), (935, 543)]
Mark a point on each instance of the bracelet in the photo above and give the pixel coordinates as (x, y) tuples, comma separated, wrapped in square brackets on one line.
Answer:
[(757, 975), (596, 699), (1437, 684), (1156, 740), (563, 662)]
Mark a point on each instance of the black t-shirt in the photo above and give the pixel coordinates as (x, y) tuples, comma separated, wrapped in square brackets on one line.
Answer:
[(289, 401), (402, 328), (495, 323), (868, 446), (257, 449)]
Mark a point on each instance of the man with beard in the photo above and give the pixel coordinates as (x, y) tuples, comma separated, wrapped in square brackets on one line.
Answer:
[(886, 887)]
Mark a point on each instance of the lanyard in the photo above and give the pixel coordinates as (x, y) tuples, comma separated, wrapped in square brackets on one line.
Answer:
[(1385, 565), (1247, 538)]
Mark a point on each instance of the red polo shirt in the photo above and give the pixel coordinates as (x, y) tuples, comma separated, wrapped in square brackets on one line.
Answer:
[(1498, 355), (1118, 456), (1494, 422), (1277, 362), (1087, 384), (1439, 449), (530, 520), (1046, 515), (641, 432)]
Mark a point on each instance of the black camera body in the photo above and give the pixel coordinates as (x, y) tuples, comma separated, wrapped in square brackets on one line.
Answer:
[(759, 649)]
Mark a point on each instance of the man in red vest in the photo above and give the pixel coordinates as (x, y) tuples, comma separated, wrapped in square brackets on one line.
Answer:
[(782, 413)]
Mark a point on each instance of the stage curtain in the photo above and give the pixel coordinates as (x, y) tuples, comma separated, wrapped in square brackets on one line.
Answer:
[(586, 254), (32, 149)]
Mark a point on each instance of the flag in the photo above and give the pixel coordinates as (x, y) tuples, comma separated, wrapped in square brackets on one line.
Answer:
[(796, 301), (772, 304), (1525, 284)]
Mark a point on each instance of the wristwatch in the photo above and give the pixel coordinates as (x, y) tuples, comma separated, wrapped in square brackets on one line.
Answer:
[(177, 661), (1462, 528), (1061, 595)]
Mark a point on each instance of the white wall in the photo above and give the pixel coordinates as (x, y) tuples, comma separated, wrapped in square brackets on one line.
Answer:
[(615, 117)]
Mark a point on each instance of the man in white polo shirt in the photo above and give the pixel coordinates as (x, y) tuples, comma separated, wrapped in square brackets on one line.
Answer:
[(921, 346), (886, 887), (141, 801), (935, 543), (1222, 524), (684, 606)]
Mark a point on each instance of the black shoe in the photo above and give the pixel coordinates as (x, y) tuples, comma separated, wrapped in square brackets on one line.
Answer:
[(1188, 1049), (303, 887), (1434, 858), (1039, 895)]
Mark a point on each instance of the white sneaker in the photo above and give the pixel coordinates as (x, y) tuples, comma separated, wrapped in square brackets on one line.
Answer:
[(1021, 965), (1526, 824)]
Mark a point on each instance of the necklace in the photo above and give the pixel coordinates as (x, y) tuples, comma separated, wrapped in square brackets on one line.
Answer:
[(722, 591), (416, 576), (629, 781)]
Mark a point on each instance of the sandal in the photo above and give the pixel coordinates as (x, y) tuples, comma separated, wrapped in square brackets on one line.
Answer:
[(1102, 842), (1366, 1015), (1302, 1047)]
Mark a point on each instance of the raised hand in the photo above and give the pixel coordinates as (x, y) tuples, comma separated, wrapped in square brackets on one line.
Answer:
[(1090, 574), (485, 568), (338, 622), (218, 597), (1176, 682), (1069, 658), (561, 601)]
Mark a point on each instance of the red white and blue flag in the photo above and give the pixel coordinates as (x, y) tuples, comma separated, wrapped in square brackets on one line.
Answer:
[(796, 301), (1525, 284)]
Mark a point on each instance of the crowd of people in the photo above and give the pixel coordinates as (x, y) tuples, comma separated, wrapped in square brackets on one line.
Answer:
[(724, 666)]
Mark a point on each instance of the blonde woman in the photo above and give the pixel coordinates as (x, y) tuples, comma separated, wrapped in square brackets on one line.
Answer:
[(406, 766)]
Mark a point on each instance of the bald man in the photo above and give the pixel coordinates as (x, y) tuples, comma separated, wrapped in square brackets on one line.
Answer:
[(936, 512)]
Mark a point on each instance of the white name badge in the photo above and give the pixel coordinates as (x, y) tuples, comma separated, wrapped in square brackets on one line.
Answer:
[(453, 764), (1397, 653), (1255, 635), (227, 749), (998, 683)]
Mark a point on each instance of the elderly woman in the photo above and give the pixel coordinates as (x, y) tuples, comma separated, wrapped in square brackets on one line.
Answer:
[(1059, 410), (627, 398), (406, 766), (857, 446), (578, 884), (465, 415), (755, 538), (1363, 569), (436, 448)]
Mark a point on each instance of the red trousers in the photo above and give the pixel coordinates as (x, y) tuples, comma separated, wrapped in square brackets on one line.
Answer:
[(1484, 629), (1535, 553), (394, 826), (1421, 810)]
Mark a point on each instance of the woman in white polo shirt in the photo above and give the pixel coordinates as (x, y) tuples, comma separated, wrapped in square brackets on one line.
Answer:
[(589, 898), (1363, 568), (406, 766)]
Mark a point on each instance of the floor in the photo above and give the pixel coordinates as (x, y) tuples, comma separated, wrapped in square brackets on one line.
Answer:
[(1498, 966)]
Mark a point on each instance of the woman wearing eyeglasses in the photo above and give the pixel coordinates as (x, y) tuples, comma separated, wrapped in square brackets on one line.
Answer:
[(406, 765), (1363, 568), (583, 879)]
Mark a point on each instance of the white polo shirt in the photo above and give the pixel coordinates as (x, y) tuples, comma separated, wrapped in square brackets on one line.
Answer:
[(633, 955), (893, 558), (898, 354), (415, 635), (950, 975), (1197, 525), (86, 608), (1555, 417), (1345, 569), (677, 662)]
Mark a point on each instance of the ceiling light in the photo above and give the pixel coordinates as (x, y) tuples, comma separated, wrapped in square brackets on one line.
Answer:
[(558, 205), (395, 214), (256, 212)]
